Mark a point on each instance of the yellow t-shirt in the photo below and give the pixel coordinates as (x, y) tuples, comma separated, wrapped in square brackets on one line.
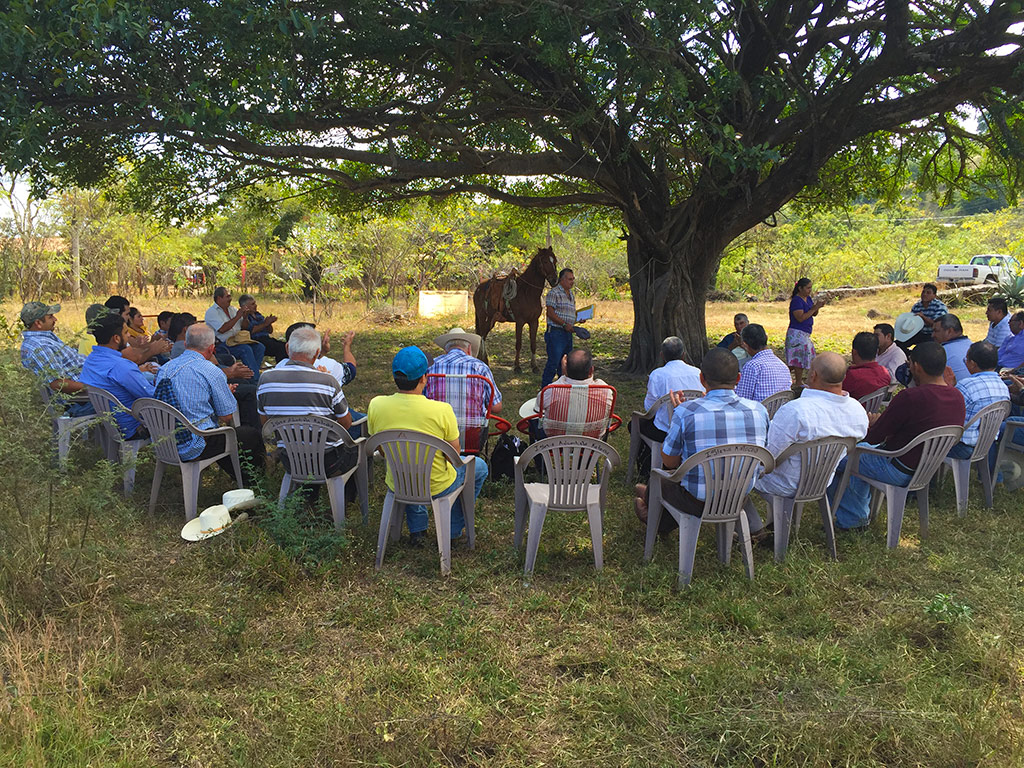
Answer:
[(417, 413)]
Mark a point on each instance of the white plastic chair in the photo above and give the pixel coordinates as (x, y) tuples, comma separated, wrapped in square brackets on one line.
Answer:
[(1006, 444), (569, 462), (306, 439), (115, 447), (635, 435), (64, 426), (772, 403), (989, 420), (873, 402), (729, 473), (160, 419), (935, 444), (818, 461), (410, 457)]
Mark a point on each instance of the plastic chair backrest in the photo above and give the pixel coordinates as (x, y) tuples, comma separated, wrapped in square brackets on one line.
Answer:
[(570, 462), (161, 420), (104, 403), (873, 402), (306, 440), (989, 419), (470, 395), (818, 461), (935, 444), (576, 409), (729, 473), (410, 457), (772, 403)]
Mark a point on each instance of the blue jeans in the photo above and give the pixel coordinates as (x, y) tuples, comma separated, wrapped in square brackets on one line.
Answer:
[(78, 408), (356, 432), (416, 514), (961, 451), (559, 343), (251, 355), (854, 508)]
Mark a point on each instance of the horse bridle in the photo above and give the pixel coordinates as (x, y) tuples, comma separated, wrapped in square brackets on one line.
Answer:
[(521, 276)]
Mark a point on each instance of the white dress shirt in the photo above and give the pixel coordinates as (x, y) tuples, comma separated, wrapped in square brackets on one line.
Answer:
[(215, 317), (813, 415), (672, 376)]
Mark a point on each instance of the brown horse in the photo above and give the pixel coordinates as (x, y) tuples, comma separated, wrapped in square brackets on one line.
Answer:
[(524, 308)]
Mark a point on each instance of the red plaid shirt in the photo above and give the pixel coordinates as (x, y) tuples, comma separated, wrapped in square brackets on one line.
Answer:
[(579, 407)]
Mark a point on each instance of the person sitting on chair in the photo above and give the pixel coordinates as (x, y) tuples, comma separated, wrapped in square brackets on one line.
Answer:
[(764, 374), (579, 370), (56, 364), (228, 324), (865, 374), (982, 388), (459, 359), (261, 327), (890, 356)]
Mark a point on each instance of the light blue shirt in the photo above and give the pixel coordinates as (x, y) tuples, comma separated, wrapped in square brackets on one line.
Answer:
[(202, 393), (956, 351), (999, 332), (107, 369)]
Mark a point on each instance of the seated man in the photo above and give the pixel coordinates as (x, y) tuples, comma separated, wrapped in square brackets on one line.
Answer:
[(764, 374), (998, 321), (227, 323), (865, 374), (731, 341), (913, 411), (1011, 353), (929, 309), (890, 355), (139, 349), (721, 417), (556, 404), (409, 409), (297, 388), (467, 400), (261, 327), (57, 365), (197, 388), (163, 323), (948, 331), (107, 369), (345, 371), (822, 410), (982, 388)]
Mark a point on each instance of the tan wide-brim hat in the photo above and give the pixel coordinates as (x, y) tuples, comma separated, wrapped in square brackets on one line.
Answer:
[(457, 334), (907, 326), (528, 409), (211, 521), (238, 500)]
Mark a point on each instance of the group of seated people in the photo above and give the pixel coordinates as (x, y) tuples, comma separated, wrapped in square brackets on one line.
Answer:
[(950, 380)]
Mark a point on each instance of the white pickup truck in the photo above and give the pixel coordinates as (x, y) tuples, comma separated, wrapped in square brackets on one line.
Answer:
[(983, 268)]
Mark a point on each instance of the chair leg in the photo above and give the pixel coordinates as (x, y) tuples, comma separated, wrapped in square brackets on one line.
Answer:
[(876, 504), (443, 524), (520, 517), (190, 489), (336, 494), (689, 528), (961, 483), (237, 466), (154, 493), (782, 511), (286, 488), (397, 517), (385, 528), (895, 504), (469, 508), (63, 442), (745, 547), (794, 528), (363, 490), (634, 450), (723, 534), (922, 510), (827, 525), (596, 535), (985, 478), (654, 512), (537, 515)]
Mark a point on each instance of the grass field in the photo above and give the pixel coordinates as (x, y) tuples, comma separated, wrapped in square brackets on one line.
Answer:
[(277, 644)]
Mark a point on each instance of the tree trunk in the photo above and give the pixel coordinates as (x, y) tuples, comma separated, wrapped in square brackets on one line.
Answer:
[(76, 261)]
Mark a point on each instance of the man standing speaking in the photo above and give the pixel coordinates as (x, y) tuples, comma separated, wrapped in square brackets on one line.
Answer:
[(561, 316)]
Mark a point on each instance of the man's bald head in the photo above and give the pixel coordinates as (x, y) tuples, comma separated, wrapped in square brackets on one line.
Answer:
[(830, 369)]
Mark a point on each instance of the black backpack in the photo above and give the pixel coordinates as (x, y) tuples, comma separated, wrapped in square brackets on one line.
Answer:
[(503, 456)]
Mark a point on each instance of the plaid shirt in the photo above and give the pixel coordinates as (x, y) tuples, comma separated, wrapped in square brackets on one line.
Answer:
[(980, 390), (763, 376), (721, 417), (564, 304), (933, 311), (49, 358), (198, 389), (467, 397)]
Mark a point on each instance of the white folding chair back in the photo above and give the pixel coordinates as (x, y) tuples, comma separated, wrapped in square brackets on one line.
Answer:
[(410, 457), (873, 402), (729, 472), (306, 440), (989, 419), (571, 462), (64, 426), (162, 420), (115, 447), (772, 403)]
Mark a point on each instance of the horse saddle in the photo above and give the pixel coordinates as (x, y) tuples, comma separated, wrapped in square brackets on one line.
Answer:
[(500, 293)]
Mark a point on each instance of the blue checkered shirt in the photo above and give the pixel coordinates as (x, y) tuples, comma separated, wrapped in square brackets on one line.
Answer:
[(763, 376), (721, 417), (201, 391), (564, 304), (933, 311), (979, 390), (49, 358)]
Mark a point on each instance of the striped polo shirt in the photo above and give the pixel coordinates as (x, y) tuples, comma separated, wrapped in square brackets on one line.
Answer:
[(298, 389)]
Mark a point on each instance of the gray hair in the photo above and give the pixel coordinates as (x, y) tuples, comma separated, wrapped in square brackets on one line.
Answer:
[(951, 323), (199, 336), (304, 342), (244, 299), (672, 348), (462, 344)]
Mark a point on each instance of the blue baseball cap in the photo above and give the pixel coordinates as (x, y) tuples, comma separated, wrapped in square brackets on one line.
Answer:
[(410, 362)]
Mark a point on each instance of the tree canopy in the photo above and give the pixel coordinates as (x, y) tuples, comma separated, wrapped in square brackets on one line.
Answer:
[(696, 120)]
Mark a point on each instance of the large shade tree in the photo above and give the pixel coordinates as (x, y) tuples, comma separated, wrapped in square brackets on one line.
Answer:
[(695, 119)]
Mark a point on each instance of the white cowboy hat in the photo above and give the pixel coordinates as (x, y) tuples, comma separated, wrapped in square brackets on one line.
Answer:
[(907, 326), (238, 500), (211, 521), (528, 409), (457, 334)]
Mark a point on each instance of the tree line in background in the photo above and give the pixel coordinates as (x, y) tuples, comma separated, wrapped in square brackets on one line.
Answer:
[(86, 241)]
